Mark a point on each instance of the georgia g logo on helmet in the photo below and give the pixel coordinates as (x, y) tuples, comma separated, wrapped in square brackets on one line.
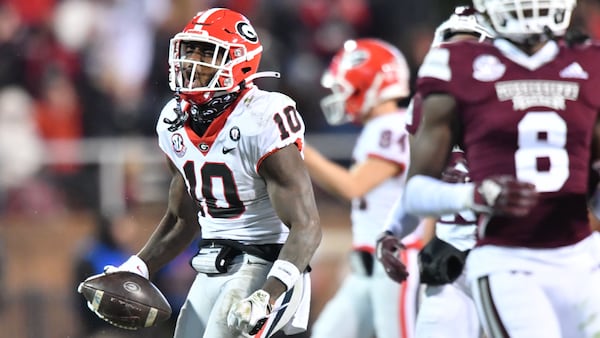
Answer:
[(246, 31)]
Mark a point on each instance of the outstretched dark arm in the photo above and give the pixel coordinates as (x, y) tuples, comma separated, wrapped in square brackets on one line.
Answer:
[(177, 228), (292, 196)]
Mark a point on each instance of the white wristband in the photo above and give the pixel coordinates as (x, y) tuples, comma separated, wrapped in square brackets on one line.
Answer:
[(286, 272)]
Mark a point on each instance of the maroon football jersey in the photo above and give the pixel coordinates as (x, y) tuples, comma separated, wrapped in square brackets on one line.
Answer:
[(531, 117)]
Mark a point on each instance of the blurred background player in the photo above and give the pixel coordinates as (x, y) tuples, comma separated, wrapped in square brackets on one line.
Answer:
[(524, 109), (447, 308), (367, 77), (235, 155)]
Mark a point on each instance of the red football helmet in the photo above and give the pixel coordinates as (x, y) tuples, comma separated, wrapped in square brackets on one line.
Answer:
[(364, 73), (230, 50)]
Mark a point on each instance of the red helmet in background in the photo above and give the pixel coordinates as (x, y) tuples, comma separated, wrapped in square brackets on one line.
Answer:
[(364, 73), (235, 57)]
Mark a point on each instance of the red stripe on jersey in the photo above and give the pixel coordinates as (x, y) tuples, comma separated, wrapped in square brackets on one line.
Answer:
[(404, 287), (298, 144), (365, 248), (401, 165)]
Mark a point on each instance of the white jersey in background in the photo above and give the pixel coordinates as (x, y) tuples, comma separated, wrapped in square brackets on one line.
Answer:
[(383, 137), (458, 230), (369, 301)]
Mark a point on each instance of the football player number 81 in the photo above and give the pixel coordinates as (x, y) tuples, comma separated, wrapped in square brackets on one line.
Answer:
[(542, 135)]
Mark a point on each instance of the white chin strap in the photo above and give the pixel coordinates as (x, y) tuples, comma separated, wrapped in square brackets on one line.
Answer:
[(263, 74)]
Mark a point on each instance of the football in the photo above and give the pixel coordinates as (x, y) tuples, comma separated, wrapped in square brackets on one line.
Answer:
[(125, 299)]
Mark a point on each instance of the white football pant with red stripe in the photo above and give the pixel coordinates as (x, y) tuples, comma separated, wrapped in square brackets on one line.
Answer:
[(373, 306)]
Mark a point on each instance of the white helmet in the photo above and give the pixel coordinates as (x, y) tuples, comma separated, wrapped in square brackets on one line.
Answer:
[(520, 19), (464, 20)]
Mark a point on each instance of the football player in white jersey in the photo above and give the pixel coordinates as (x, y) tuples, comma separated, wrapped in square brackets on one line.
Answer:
[(367, 77), (236, 156), (447, 308)]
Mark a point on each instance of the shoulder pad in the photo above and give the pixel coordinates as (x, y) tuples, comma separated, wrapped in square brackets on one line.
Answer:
[(436, 64)]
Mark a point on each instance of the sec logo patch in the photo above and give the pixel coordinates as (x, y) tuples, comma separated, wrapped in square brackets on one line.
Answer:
[(178, 144)]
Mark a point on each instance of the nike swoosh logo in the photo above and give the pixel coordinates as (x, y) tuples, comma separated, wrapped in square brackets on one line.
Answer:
[(227, 150)]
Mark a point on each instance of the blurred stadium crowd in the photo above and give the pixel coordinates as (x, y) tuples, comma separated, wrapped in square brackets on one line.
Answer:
[(77, 70), (82, 69)]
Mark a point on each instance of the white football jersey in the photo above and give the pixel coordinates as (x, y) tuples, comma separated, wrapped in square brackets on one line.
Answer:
[(221, 167), (458, 229), (383, 137)]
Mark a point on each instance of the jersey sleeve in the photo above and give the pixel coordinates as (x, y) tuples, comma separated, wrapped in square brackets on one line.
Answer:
[(434, 74), (279, 126), (449, 69), (413, 114)]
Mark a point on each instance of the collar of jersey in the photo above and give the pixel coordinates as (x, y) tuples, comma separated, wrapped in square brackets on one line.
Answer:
[(531, 62), (211, 133)]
